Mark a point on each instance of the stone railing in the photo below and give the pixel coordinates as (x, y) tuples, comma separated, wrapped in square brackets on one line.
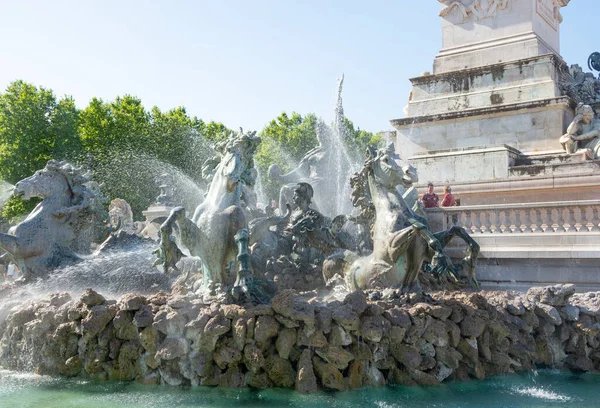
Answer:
[(548, 218)]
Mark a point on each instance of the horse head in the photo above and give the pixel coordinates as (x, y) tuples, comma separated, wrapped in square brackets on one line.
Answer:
[(384, 169), (44, 183), (241, 151)]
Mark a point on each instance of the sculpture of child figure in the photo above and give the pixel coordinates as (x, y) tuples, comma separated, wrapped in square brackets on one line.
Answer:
[(583, 133)]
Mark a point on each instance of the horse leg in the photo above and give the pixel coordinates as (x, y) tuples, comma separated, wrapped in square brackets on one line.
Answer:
[(168, 252), (415, 255), (446, 236), (16, 246), (468, 263), (238, 238), (245, 288)]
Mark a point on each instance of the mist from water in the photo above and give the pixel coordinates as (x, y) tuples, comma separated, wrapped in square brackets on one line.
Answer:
[(261, 197), (140, 171), (111, 274), (343, 164), (337, 163), (6, 191)]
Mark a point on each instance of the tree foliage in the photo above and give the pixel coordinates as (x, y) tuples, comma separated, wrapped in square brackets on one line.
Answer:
[(287, 138), (34, 127), (357, 139), (123, 139), (126, 146)]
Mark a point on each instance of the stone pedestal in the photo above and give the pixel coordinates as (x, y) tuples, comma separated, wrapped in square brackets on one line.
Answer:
[(494, 96), (488, 122), (518, 104), (152, 213), (463, 165), (491, 31)]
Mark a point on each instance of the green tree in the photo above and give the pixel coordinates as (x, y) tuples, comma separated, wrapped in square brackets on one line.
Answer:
[(119, 125), (357, 139), (172, 135), (34, 128), (285, 140), (130, 146), (213, 132), (296, 133)]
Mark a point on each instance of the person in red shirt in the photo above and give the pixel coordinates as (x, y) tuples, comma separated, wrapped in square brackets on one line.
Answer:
[(448, 200), (430, 199)]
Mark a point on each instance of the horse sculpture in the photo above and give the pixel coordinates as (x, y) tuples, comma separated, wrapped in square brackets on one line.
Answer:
[(401, 239), (46, 239), (217, 233)]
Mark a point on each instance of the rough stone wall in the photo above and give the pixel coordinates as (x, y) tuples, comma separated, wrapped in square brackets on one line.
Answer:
[(300, 342)]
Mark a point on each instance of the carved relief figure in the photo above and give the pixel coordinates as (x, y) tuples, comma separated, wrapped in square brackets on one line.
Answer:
[(479, 9), (583, 134), (582, 87), (120, 214)]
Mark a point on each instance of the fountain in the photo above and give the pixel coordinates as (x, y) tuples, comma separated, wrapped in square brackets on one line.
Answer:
[(327, 167), (229, 325), (320, 296)]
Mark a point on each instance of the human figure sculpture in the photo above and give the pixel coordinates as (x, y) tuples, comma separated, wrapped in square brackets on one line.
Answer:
[(120, 215), (312, 169), (307, 227), (166, 184), (217, 233), (583, 134), (301, 232), (46, 239)]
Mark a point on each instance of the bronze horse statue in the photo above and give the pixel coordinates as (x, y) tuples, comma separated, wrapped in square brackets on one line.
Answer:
[(401, 239), (217, 232), (46, 239)]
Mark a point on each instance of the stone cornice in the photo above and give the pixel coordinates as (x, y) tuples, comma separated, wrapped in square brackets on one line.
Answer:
[(480, 10), (477, 10), (424, 79), (409, 121)]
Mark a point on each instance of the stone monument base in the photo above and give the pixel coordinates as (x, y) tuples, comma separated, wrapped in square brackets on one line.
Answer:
[(491, 175)]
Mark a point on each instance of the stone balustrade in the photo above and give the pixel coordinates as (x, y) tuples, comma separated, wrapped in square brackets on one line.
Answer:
[(529, 244), (548, 218)]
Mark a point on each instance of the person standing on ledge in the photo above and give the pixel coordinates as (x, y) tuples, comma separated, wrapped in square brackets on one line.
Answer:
[(448, 200), (430, 199)]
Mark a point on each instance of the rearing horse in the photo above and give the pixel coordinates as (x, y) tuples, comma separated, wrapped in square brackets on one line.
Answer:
[(217, 232), (44, 240), (401, 239)]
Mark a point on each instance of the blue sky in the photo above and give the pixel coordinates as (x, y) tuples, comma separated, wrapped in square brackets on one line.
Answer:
[(241, 62)]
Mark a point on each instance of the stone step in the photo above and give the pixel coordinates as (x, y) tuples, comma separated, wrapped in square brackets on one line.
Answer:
[(569, 165), (549, 159)]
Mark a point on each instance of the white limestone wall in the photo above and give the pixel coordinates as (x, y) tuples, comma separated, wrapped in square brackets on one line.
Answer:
[(522, 81), (529, 129), (465, 165), (525, 28)]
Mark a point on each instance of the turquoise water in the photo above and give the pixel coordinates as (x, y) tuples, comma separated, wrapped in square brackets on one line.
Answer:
[(541, 389)]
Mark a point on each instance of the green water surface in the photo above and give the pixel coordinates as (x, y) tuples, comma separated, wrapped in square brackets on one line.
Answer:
[(538, 389)]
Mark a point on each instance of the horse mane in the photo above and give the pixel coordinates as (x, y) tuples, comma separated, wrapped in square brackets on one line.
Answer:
[(86, 198)]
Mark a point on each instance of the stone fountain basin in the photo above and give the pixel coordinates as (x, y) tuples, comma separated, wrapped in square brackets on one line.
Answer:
[(302, 341)]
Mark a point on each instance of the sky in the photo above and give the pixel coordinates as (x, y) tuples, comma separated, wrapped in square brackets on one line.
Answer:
[(241, 62)]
